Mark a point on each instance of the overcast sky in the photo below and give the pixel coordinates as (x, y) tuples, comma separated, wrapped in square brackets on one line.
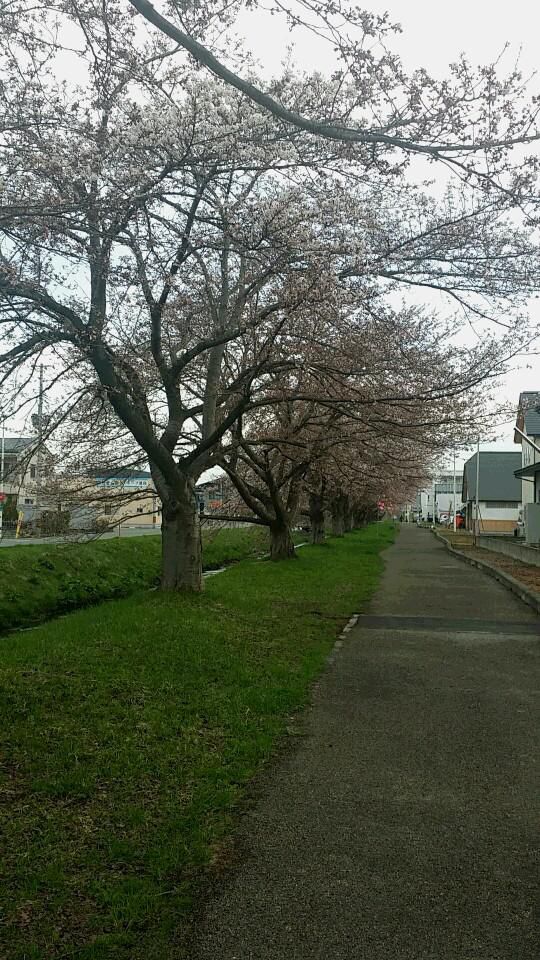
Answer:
[(434, 35)]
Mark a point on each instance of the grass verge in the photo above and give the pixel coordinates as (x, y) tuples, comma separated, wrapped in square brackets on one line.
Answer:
[(130, 731), (37, 582)]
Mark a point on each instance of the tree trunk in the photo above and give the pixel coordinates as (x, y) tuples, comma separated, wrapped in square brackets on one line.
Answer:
[(316, 518), (349, 519), (359, 518), (281, 542), (337, 515), (181, 547)]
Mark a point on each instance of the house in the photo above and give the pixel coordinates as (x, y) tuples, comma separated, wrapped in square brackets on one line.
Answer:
[(527, 434), (122, 478), (125, 496), (108, 496), (22, 469), (213, 495), (499, 492), (105, 497)]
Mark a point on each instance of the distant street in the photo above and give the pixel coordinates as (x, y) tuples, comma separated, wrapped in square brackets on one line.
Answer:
[(82, 538)]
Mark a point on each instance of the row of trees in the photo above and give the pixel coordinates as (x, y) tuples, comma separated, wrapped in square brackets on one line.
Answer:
[(214, 284)]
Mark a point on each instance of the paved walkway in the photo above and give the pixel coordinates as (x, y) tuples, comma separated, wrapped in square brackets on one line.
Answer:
[(405, 825)]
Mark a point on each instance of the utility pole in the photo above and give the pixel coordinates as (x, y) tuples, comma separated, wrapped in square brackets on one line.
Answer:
[(477, 522), (2, 465), (40, 439), (455, 520), (434, 500)]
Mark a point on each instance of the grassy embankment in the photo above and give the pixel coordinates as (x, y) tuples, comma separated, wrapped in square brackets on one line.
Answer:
[(37, 582), (130, 731)]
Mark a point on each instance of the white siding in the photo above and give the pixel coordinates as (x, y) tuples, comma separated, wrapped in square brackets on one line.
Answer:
[(528, 455), (488, 512)]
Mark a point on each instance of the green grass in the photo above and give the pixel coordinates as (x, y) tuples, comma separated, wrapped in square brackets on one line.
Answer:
[(130, 732), (37, 582)]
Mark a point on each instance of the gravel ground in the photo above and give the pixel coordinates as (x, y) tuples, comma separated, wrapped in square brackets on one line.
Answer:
[(524, 572)]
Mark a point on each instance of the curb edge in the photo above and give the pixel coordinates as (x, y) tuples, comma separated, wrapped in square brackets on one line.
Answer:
[(527, 596)]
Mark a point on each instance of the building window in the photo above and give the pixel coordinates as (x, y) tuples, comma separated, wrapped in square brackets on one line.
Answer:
[(140, 509), (28, 500), (107, 510), (33, 471)]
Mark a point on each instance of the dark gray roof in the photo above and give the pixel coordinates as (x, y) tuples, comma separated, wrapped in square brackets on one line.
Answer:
[(17, 444), (529, 406), (497, 480)]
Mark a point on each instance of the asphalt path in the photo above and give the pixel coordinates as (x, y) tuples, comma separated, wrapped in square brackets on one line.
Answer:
[(404, 825)]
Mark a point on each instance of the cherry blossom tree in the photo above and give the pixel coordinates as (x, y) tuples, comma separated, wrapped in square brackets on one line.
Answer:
[(469, 120), (188, 264), (153, 255), (360, 418)]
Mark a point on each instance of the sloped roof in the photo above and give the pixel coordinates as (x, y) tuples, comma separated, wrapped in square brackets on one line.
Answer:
[(17, 444), (496, 478), (528, 417)]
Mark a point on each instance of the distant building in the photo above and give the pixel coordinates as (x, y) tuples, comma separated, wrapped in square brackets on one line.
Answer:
[(212, 495), (104, 497), (125, 496), (124, 478), (499, 492), (22, 464), (443, 488)]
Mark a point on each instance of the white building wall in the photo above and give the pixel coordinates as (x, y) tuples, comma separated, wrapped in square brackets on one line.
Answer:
[(444, 500), (528, 455), (18, 483), (490, 512)]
